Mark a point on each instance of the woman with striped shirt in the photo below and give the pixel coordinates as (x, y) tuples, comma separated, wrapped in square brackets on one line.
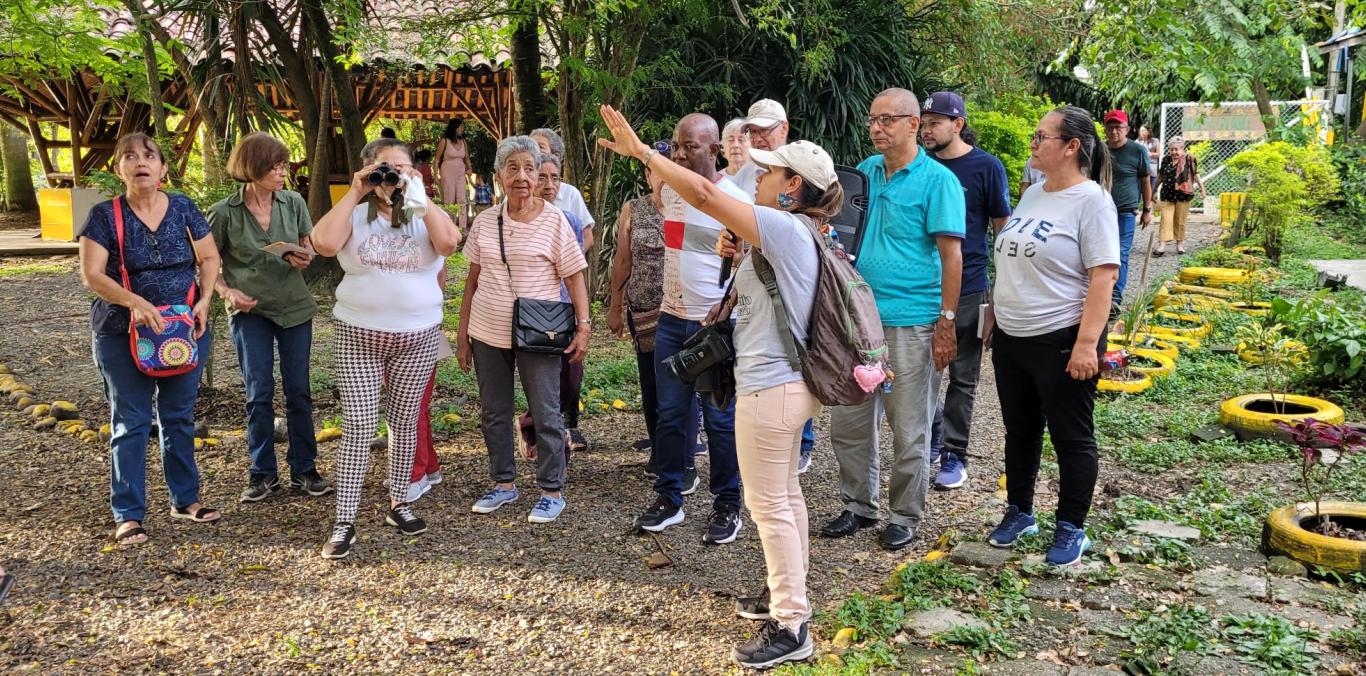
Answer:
[(541, 253)]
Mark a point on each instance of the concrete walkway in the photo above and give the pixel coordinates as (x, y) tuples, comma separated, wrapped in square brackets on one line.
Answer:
[(26, 242), (1354, 269)]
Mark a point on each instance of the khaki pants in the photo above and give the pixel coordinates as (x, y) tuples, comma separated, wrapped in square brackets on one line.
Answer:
[(768, 436), (1174, 220)]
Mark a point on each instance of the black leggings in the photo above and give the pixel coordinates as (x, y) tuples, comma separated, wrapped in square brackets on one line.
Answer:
[(1035, 389)]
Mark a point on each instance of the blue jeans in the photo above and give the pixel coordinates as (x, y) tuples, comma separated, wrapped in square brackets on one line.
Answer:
[(673, 446), (809, 437), (255, 338), (131, 393), (1126, 241)]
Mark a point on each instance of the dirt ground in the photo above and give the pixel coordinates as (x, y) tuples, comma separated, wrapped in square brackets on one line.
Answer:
[(475, 593)]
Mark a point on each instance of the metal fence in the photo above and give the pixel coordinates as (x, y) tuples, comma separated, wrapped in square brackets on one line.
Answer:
[(1216, 132)]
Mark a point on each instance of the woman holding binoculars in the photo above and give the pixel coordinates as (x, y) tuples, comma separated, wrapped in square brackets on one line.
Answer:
[(388, 312)]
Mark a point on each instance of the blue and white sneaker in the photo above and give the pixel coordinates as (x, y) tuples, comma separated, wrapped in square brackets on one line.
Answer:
[(953, 472), (547, 509), (495, 498), (804, 462), (1014, 524), (1069, 545), (936, 454)]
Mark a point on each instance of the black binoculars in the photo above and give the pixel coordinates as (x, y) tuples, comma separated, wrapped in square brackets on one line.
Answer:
[(384, 175)]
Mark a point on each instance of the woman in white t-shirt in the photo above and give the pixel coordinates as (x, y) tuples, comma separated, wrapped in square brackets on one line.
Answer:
[(388, 328), (1056, 259), (772, 400)]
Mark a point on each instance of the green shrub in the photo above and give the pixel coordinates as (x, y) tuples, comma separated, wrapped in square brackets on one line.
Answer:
[(1007, 137), (1335, 336)]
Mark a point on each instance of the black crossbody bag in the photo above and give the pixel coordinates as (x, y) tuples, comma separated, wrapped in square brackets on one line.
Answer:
[(538, 326)]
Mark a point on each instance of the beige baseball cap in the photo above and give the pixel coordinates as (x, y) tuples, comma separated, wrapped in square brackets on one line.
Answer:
[(804, 158), (765, 113)]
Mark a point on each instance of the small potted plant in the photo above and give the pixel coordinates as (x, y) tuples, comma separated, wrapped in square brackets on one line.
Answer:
[(1256, 415), (1330, 534)]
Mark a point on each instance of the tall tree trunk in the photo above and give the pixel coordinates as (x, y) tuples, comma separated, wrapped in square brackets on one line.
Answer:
[(343, 88), (1269, 118), (526, 67), (19, 194)]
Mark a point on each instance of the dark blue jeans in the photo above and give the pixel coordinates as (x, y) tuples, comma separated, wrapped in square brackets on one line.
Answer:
[(1126, 241), (131, 394), (673, 446), (255, 338)]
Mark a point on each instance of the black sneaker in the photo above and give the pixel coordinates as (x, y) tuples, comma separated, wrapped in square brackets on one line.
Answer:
[(260, 488), (690, 481), (773, 645), (339, 546), (576, 441), (402, 518), (723, 527), (659, 516), (753, 607), (312, 483)]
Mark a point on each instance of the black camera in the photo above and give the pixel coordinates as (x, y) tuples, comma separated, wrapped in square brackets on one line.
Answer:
[(384, 175), (709, 347)]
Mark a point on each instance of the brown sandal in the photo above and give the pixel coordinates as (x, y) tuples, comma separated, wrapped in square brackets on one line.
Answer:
[(134, 535)]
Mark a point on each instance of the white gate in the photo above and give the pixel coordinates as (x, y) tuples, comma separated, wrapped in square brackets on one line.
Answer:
[(1216, 132)]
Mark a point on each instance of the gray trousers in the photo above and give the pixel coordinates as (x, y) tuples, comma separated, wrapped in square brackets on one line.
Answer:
[(541, 381), (953, 419), (854, 432)]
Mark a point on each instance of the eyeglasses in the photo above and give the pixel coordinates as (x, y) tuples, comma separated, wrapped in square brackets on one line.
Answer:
[(750, 130), (1040, 137), (547, 178), (883, 120)]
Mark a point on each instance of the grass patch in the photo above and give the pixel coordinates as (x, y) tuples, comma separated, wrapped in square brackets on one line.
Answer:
[(33, 269)]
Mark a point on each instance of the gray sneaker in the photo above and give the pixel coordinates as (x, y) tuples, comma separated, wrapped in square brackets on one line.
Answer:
[(259, 488), (312, 483), (547, 509), (495, 498)]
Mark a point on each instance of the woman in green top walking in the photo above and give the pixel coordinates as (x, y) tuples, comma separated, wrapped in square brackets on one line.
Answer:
[(269, 305)]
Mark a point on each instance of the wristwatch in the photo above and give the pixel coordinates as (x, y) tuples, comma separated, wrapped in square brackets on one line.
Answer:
[(947, 314)]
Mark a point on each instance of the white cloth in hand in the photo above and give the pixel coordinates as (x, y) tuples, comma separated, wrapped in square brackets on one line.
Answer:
[(415, 198)]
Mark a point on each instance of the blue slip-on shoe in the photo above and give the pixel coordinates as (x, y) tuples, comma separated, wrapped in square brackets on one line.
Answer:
[(547, 509), (953, 472), (495, 498), (1013, 525), (1069, 545)]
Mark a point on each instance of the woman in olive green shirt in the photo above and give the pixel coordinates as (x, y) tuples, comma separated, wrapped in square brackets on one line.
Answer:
[(269, 304)]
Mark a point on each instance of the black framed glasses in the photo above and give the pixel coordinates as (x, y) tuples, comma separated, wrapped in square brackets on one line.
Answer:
[(884, 120)]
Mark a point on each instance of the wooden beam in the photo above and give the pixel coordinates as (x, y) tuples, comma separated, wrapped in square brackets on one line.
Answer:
[(73, 125), (41, 144)]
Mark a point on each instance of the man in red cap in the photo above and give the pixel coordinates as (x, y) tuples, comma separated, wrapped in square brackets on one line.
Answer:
[(1129, 187)]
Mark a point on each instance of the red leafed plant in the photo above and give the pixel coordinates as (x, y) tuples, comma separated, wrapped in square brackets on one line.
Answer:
[(1323, 449)]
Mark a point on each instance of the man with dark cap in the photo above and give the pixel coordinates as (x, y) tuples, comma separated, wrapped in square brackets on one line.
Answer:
[(986, 196)]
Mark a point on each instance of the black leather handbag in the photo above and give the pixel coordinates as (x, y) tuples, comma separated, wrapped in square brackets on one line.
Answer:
[(538, 326)]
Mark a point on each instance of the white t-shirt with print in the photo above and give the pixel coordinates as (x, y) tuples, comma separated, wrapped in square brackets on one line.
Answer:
[(390, 282), (1043, 254), (692, 270)]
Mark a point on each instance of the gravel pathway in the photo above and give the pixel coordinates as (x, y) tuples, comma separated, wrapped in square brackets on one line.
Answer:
[(476, 593)]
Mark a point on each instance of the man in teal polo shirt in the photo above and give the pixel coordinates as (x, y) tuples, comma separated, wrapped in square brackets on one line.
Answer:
[(911, 256)]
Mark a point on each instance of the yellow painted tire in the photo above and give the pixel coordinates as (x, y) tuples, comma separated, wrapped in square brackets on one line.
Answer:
[(1283, 534), (1181, 342), (1116, 342), (1124, 386), (1299, 353), (1250, 250), (1200, 329), (1258, 308), (1234, 414), (1204, 291), (1216, 277), (1166, 365), (1191, 301)]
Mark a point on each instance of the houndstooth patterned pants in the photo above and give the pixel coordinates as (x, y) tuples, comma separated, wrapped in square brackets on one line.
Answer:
[(366, 360)]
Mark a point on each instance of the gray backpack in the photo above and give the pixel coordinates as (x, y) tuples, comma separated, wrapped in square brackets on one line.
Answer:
[(845, 344)]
